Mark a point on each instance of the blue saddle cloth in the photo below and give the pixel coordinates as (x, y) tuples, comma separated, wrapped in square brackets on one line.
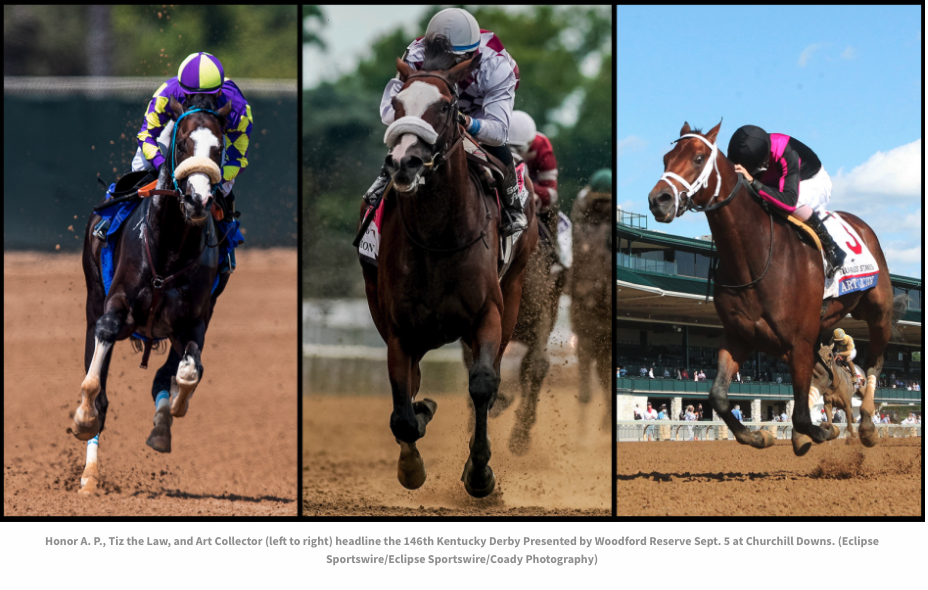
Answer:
[(118, 213)]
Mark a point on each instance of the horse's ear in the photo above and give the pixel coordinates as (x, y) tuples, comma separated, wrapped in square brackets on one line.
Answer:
[(176, 107), (463, 69), (685, 129), (714, 132), (403, 69), (225, 110)]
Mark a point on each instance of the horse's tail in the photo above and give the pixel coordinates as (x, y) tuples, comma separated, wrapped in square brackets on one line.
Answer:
[(900, 306), (159, 346)]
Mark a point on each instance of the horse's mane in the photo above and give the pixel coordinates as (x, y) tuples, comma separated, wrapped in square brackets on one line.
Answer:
[(438, 54), (202, 101)]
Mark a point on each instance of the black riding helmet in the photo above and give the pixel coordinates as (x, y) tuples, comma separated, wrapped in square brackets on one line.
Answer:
[(750, 147)]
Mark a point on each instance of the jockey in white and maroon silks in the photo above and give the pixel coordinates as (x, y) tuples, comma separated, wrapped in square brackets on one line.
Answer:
[(536, 151), (486, 99), (787, 174)]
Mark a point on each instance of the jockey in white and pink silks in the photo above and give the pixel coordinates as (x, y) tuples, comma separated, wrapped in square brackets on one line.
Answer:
[(786, 173), (486, 99)]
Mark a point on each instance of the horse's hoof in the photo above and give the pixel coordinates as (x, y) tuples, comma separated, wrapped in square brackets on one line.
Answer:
[(801, 444), (480, 486), (183, 386), (89, 486), (425, 408), (764, 439), (834, 432), (410, 469), (867, 431), (85, 429), (160, 437), (869, 439)]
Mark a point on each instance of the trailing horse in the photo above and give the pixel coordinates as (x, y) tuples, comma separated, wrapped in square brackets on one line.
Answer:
[(590, 290), (769, 286), (437, 280), (835, 385), (164, 284)]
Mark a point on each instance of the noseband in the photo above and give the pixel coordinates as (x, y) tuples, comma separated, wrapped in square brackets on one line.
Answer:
[(222, 142), (701, 182), (451, 143)]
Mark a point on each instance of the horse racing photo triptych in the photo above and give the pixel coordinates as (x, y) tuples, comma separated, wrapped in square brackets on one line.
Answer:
[(602, 265)]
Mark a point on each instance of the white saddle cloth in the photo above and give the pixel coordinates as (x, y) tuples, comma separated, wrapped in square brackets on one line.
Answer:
[(860, 270)]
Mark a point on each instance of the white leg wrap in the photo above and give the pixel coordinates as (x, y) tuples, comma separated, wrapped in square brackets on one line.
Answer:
[(92, 447)]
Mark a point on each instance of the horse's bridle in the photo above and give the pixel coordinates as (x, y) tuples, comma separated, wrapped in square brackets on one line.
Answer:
[(176, 192), (451, 144), (701, 182)]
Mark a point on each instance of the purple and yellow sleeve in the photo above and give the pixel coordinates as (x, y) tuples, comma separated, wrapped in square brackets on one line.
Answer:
[(237, 139), (156, 118)]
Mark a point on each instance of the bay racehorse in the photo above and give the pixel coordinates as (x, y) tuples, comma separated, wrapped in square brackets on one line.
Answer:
[(835, 385), (166, 265), (769, 286), (590, 290), (437, 279)]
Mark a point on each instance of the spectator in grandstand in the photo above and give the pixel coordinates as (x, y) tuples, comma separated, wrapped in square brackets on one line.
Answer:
[(784, 417), (702, 375), (737, 376), (650, 414), (622, 371), (643, 371), (699, 412), (737, 412), (839, 416), (637, 413), (910, 420), (651, 373), (886, 419), (667, 374), (779, 378), (684, 374), (663, 415)]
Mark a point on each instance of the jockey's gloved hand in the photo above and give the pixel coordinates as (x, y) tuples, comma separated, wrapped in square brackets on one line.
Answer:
[(462, 119)]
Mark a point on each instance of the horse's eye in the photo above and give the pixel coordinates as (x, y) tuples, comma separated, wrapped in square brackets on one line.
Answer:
[(445, 107), (700, 159)]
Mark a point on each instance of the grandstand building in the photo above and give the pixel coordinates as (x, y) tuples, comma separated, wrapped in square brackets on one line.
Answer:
[(664, 324)]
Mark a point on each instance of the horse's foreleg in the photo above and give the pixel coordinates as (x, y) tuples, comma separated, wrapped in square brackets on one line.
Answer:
[(184, 383), (90, 414), (584, 362), (409, 419), (478, 478), (90, 478), (801, 363), (160, 437), (730, 358), (532, 373)]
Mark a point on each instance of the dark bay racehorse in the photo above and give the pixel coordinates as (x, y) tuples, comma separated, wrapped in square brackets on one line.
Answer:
[(166, 262), (769, 286), (437, 280), (590, 290), (835, 385)]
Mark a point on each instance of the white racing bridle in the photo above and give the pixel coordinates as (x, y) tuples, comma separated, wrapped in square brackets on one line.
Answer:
[(701, 182)]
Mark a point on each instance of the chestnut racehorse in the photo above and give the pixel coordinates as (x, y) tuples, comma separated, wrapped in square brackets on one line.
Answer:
[(436, 280), (769, 286)]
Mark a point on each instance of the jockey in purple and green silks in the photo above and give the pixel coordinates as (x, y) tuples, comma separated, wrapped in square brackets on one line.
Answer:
[(200, 73)]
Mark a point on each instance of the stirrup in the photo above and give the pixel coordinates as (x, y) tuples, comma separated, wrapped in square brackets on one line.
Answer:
[(100, 230), (514, 226)]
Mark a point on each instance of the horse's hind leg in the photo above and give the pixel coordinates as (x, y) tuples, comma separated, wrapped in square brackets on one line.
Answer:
[(801, 362), (90, 478), (189, 374), (730, 358), (409, 419)]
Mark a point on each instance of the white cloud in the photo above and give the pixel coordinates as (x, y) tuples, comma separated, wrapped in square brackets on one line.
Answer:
[(630, 144), (806, 54), (903, 256), (849, 53), (896, 173)]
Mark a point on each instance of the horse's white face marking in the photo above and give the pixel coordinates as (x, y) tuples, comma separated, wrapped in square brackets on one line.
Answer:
[(406, 141), (203, 140), (417, 98)]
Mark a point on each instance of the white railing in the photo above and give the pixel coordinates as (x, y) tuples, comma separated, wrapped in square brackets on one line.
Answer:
[(677, 430)]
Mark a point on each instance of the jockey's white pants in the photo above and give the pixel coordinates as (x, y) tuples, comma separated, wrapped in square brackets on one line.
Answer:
[(815, 192)]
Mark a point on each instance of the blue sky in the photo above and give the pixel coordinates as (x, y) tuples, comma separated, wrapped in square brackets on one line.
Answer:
[(846, 81)]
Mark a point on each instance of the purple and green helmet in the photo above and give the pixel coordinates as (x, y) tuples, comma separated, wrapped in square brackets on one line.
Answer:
[(200, 73)]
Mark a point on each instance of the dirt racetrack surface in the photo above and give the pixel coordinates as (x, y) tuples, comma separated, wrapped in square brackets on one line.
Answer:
[(233, 454), (723, 478), (350, 455)]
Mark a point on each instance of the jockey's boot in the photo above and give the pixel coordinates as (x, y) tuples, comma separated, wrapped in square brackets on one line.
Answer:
[(373, 193), (834, 254), (514, 221), (99, 231)]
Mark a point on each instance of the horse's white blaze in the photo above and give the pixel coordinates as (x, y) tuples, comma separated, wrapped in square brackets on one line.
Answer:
[(407, 141), (203, 141), (90, 387), (417, 98)]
